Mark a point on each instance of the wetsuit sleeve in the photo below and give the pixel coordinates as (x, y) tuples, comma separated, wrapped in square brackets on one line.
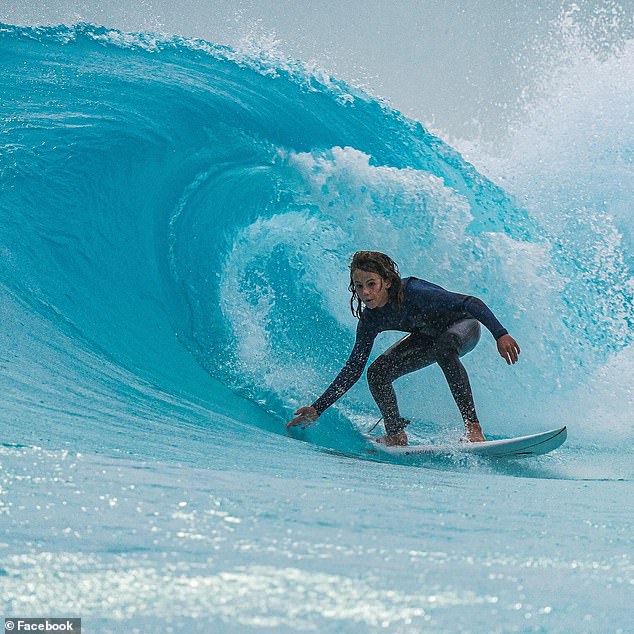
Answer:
[(351, 372), (484, 314), (435, 298)]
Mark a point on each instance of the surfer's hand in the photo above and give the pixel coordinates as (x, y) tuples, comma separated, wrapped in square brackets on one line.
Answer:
[(305, 416), (508, 349)]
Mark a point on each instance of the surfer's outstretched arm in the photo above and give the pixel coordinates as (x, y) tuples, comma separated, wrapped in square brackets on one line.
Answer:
[(347, 377)]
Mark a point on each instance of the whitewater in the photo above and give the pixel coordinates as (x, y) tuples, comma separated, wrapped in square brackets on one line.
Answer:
[(176, 222)]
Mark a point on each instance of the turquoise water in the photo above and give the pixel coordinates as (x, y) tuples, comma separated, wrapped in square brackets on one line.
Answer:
[(176, 223)]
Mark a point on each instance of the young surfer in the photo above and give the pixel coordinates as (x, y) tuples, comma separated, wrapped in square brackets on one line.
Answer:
[(442, 327)]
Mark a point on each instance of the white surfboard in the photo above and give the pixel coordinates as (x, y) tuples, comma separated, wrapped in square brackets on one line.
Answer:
[(524, 446)]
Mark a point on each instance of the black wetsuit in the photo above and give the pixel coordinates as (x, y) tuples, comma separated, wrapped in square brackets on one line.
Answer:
[(443, 326)]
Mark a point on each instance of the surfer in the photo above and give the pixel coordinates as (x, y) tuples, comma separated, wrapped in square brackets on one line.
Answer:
[(442, 327)]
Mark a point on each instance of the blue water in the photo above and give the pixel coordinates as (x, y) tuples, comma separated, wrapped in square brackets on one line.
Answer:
[(176, 220)]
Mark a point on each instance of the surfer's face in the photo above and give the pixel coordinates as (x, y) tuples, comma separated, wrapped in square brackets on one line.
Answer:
[(371, 288)]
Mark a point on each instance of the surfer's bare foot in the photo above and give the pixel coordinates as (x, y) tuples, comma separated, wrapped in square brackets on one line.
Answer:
[(473, 433), (393, 440)]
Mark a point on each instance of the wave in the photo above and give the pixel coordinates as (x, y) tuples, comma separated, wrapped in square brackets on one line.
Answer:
[(177, 219)]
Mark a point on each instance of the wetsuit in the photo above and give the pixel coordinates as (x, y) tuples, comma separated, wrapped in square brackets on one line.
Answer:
[(443, 326)]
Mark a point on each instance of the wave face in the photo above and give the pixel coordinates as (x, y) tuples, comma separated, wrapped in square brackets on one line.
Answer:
[(176, 222), (176, 206)]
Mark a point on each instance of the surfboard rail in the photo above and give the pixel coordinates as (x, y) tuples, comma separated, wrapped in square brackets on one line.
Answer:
[(522, 446)]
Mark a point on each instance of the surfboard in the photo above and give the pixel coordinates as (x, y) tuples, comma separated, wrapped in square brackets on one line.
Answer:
[(521, 447)]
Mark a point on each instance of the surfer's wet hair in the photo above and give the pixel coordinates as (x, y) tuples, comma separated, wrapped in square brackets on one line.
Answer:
[(381, 264)]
